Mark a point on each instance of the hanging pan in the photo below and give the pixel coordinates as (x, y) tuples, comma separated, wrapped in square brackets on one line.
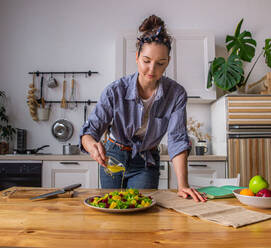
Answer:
[(62, 130)]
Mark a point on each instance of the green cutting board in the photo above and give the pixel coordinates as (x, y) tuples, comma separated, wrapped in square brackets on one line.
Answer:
[(213, 192)]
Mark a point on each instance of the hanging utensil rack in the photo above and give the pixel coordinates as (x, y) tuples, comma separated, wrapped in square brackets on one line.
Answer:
[(88, 102), (87, 73)]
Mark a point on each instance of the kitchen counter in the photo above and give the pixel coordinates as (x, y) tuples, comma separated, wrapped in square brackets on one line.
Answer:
[(85, 157), (67, 222)]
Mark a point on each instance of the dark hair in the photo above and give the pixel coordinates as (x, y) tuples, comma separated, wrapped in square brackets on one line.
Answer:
[(153, 30)]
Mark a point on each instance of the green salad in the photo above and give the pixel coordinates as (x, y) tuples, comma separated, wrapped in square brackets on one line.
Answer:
[(130, 198)]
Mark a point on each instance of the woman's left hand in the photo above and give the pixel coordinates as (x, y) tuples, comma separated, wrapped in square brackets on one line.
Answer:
[(186, 192)]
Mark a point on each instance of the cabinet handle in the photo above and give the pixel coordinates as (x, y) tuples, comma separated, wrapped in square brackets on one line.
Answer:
[(75, 163), (196, 165)]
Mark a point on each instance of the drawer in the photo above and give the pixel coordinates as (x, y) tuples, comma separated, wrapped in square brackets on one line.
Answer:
[(62, 173), (206, 168)]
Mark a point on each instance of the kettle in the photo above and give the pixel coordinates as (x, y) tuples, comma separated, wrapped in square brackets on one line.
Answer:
[(71, 149)]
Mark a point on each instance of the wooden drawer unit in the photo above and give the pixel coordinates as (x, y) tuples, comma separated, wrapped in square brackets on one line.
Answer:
[(249, 110)]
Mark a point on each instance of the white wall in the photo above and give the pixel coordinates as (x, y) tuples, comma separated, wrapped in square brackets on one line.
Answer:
[(66, 35)]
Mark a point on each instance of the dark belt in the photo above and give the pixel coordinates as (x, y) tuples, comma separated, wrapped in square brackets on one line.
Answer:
[(126, 148)]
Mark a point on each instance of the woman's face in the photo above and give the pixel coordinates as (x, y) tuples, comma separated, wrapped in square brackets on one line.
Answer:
[(152, 62)]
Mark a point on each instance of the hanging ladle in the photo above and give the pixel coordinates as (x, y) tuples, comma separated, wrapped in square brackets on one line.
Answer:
[(85, 112), (72, 104)]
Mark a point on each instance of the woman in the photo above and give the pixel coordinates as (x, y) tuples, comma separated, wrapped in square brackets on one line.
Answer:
[(141, 108)]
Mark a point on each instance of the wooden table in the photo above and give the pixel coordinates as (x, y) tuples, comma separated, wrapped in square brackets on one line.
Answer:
[(67, 222)]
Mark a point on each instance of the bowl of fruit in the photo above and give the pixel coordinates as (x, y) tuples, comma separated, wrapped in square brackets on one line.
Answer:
[(256, 195)]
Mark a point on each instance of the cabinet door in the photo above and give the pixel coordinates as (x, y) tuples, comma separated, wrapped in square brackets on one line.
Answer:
[(62, 173), (201, 169), (249, 157), (190, 56), (192, 53)]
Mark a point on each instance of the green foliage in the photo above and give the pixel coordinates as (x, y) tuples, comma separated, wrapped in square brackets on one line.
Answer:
[(241, 44), (228, 74), (267, 52), (6, 130)]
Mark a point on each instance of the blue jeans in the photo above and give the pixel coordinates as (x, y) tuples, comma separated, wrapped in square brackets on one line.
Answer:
[(137, 175)]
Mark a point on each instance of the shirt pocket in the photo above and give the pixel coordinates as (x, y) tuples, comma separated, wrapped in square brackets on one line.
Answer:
[(160, 126)]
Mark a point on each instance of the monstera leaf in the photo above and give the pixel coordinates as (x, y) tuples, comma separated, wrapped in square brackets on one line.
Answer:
[(226, 74), (267, 52), (241, 44)]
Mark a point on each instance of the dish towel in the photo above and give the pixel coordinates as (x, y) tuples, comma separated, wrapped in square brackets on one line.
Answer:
[(223, 214)]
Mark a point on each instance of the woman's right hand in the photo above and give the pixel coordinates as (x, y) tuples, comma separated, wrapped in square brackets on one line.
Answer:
[(97, 152), (95, 149)]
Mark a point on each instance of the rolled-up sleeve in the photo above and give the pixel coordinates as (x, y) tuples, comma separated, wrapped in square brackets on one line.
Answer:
[(178, 140), (99, 118)]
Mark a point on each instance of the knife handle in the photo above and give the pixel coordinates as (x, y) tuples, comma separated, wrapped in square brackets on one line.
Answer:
[(71, 187)]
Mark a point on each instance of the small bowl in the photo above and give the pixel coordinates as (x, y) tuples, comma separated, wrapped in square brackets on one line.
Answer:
[(254, 201)]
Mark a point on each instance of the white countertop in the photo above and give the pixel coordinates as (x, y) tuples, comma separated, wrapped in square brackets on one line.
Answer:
[(84, 157)]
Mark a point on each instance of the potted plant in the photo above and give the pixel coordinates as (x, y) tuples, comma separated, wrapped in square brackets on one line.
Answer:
[(6, 130), (228, 74)]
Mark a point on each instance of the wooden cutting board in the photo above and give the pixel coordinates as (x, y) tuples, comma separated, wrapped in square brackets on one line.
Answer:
[(22, 192)]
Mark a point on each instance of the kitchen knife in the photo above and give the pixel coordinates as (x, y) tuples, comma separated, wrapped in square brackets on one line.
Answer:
[(61, 191)]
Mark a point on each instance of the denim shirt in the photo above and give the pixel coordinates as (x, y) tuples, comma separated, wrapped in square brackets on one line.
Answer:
[(120, 105)]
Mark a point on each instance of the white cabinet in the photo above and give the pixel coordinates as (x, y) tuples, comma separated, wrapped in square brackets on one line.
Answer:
[(201, 169), (62, 173), (192, 50), (163, 179), (219, 115)]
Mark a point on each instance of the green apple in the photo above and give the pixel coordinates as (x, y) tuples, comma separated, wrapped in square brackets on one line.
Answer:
[(257, 183)]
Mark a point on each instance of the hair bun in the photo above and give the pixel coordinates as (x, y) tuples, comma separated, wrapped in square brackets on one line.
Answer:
[(150, 23), (153, 30)]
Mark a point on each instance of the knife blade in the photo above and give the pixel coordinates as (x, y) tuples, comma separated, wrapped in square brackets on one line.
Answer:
[(57, 192)]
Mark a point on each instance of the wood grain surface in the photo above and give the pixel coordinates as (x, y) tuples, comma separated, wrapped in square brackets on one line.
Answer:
[(249, 110), (249, 98), (19, 192), (249, 104), (249, 157), (67, 222), (245, 122)]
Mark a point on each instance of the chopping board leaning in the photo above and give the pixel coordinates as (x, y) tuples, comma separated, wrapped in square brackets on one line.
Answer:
[(26, 193)]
